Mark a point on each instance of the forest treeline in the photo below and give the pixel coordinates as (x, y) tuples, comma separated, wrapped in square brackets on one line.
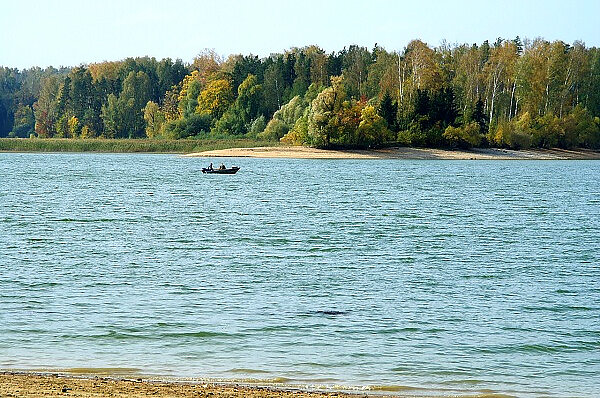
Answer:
[(512, 93)]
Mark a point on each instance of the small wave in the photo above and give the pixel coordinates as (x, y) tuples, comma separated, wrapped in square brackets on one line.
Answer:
[(199, 334), (278, 328), (421, 391), (397, 330), (266, 381), (182, 241), (322, 365), (39, 284), (102, 371), (137, 334), (560, 308), (25, 331), (112, 335), (392, 388), (330, 312), (542, 348), (564, 291), (246, 371), (486, 276), (410, 329), (463, 381), (39, 239), (168, 324), (408, 216), (324, 249), (84, 220)]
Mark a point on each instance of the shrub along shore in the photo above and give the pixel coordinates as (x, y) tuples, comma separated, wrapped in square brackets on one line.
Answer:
[(126, 145), (245, 147)]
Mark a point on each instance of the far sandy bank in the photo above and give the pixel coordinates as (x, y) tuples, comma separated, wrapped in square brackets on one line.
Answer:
[(400, 153)]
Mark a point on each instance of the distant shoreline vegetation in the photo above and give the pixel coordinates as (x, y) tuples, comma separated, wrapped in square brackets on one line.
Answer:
[(126, 145), (510, 94)]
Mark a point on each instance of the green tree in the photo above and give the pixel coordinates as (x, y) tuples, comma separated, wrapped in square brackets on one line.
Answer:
[(24, 122), (154, 119), (193, 125), (382, 76), (112, 117), (499, 70), (372, 130), (81, 90), (284, 119), (507, 136), (274, 84), (249, 100), (298, 135), (189, 104), (479, 115), (583, 126), (356, 70), (323, 120), (388, 111), (46, 108), (466, 136), (257, 126), (133, 98)]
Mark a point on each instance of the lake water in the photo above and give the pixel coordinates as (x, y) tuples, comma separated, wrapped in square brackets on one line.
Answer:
[(413, 277)]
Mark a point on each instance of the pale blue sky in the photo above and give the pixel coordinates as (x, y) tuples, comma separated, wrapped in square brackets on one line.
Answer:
[(72, 32)]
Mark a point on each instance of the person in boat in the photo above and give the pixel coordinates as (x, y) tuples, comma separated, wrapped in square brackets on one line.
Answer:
[(222, 166), (210, 166)]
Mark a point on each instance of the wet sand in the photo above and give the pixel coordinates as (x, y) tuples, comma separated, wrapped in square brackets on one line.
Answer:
[(401, 153), (58, 385)]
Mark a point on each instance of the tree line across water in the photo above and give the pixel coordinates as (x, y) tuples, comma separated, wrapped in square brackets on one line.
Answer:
[(512, 93)]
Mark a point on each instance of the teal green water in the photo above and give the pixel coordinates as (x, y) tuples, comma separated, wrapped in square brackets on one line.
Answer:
[(452, 277)]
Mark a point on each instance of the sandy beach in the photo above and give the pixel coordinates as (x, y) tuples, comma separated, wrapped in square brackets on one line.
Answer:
[(402, 153), (60, 385)]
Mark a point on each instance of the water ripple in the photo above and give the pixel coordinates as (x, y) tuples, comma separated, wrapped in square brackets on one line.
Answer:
[(453, 277)]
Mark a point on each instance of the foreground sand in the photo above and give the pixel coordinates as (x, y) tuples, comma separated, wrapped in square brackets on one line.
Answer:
[(52, 385), (399, 153)]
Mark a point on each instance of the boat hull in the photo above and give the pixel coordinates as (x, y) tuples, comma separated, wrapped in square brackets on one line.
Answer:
[(232, 170)]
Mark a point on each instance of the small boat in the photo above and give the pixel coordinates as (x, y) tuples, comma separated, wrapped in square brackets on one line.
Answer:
[(232, 170)]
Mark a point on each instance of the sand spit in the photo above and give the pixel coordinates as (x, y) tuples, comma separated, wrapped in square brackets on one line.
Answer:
[(401, 153)]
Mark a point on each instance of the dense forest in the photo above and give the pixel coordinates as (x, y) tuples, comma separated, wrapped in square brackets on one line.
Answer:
[(512, 94)]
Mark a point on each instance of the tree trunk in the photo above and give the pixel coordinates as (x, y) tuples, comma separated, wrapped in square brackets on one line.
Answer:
[(512, 96), (491, 111), (494, 88), (277, 91), (547, 97), (399, 97)]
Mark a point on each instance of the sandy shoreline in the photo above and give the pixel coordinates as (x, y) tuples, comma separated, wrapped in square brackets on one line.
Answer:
[(402, 153), (29, 384)]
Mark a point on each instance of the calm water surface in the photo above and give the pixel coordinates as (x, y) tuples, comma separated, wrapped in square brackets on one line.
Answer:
[(452, 277)]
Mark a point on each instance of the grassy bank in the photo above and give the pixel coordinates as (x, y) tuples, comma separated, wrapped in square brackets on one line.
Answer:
[(126, 145)]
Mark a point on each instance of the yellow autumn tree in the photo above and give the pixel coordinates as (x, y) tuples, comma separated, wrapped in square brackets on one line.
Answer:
[(73, 127), (372, 129), (216, 98), (185, 86), (86, 132)]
